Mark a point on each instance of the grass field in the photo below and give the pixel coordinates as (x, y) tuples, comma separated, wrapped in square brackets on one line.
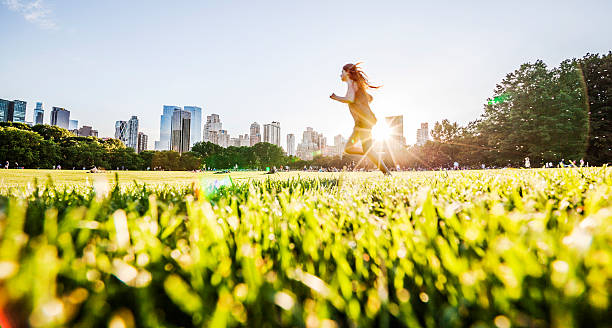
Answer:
[(16, 178), (499, 248)]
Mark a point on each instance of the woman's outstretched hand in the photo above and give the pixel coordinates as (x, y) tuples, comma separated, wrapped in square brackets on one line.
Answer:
[(333, 96)]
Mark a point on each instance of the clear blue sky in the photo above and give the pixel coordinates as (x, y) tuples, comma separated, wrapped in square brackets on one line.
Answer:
[(280, 60)]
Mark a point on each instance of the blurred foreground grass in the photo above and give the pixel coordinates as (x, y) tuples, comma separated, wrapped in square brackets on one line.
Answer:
[(526, 248)]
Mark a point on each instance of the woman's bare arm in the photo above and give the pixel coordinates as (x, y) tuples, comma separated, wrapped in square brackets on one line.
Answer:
[(349, 98)]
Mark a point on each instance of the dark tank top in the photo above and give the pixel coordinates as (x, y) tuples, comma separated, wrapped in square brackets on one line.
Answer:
[(360, 109)]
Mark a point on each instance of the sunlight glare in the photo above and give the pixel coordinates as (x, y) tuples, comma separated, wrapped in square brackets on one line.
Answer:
[(381, 131)]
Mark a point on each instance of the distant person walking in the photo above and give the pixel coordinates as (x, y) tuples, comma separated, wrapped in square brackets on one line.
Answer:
[(358, 101)]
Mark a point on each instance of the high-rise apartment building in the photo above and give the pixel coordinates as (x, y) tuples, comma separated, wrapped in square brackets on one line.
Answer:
[(60, 117), (143, 141), (223, 138), (196, 123), (244, 140), (254, 133), (12, 111), (39, 113), (132, 133), (73, 125), (290, 144), (121, 131), (211, 128), (423, 134), (313, 143), (272, 133), (181, 129)]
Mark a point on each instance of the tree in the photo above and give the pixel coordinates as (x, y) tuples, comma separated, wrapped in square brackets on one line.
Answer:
[(51, 131), (19, 146), (205, 149), (597, 73), (445, 131), (269, 155), (146, 158), (189, 161), (166, 160), (18, 125)]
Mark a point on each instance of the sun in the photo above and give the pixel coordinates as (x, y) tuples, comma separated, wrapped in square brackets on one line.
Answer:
[(381, 131)]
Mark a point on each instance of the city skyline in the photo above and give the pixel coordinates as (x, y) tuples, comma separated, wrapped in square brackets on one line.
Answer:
[(434, 61)]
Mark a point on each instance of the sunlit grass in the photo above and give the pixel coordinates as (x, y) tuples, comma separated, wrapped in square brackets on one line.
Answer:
[(450, 249)]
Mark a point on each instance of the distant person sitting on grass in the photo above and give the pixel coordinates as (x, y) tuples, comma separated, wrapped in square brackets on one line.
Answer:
[(358, 101)]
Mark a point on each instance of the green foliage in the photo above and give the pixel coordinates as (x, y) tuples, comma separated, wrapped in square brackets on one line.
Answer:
[(546, 114), (51, 131), (20, 126), (521, 248), (597, 76), (19, 146)]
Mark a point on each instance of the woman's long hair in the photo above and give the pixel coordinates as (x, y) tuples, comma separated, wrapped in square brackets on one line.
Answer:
[(356, 74)]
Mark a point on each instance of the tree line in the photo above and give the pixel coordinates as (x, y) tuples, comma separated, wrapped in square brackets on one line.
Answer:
[(545, 114), (46, 146)]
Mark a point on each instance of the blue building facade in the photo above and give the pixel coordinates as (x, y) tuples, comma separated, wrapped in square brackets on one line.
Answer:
[(196, 124), (165, 128), (12, 111), (39, 113)]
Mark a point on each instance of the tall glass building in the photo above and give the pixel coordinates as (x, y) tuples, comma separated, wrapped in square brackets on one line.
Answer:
[(60, 117), (121, 128), (165, 128), (132, 133), (12, 111), (4, 110), (19, 111), (39, 113), (181, 126), (196, 123)]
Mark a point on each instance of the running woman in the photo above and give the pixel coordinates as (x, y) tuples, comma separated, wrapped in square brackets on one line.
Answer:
[(358, 101)]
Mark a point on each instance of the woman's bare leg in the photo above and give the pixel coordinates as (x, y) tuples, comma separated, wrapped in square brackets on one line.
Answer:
[(368, 149)]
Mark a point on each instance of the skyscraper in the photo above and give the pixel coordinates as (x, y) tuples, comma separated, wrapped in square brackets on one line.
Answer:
[(211, 128), (60, 117), (121, 128), (423, 134), (339, 144), (272, 133), (165, 127), (73, 125), (181, 126), (143, 141), (4, 110), (196, 123), (312, 144), (132, 133), (224, 138), (254, 133), (291, 144), (39, 113), (396, 124), (244, 140), (12, 111), (19, 111)]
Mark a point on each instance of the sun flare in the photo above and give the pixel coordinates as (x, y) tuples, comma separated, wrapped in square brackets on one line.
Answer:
[(381, 131)]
